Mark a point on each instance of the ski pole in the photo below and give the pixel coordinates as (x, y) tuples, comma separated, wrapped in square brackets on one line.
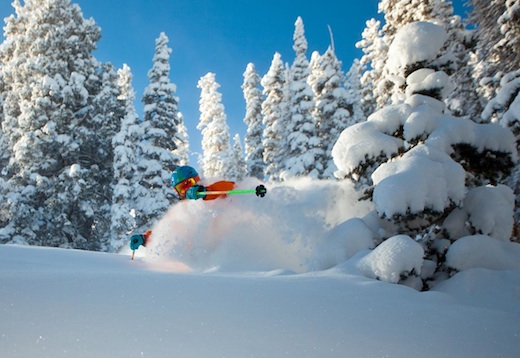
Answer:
[(259, 191)]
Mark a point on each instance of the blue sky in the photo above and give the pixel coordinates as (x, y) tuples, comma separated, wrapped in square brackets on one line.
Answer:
[(221, 37)]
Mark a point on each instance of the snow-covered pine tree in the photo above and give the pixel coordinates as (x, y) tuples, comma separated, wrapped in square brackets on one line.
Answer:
[(498, 52), (125, 145), (157, 158), (275, 118), (423, 156), (50, 108), (5, 155), (497, 45), (398, 13), (355, 92), (304, 148), (372, 62), (107, 113), (4, 145), (182, 141), (253, 120), (333, 111), (216, 161), (239, 168)]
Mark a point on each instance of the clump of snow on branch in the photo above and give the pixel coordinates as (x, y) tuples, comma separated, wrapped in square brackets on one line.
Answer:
[(474, 215), (415, 42), (422, 178)]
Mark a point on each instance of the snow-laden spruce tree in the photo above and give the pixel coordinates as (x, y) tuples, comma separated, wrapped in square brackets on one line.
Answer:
[(275, 118), (499, 39), (372, 63), (355, 92), (107, 112), (125, 145), (333, 109), (157, 149), (216, 160), (239, 167), (426, 167), (253, 120), (376, 42), (182, 141), (497, 46), (59, 144), (305, 155)]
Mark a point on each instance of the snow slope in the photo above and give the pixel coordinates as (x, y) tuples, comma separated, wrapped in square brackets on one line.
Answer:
[(68, 303)]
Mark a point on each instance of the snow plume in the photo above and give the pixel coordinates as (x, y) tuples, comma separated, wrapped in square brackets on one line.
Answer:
[(247, 233)]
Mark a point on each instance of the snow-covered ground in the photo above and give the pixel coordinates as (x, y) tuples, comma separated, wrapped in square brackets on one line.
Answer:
[(248, 277)]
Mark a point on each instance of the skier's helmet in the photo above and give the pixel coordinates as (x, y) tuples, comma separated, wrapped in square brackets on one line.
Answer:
[(182, 173)]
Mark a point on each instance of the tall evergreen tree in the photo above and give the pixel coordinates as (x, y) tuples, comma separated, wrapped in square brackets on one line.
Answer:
[(372, 61), (239, 169), (333, 112), (303, 143), (498, 68), (50, 108), (216, 160), (497, 49), (253, 120), (157, 158), (387, 89), (275, 118), (182, 141), (355, 91), (125, 145)]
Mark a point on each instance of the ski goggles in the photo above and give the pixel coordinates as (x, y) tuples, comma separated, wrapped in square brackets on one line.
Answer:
[(185, 185)]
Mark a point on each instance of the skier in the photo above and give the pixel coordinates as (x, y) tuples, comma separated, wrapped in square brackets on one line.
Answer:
[(185, 182), (138, 240)]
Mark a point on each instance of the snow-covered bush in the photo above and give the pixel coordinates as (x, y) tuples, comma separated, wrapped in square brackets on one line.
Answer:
[(419, 161)]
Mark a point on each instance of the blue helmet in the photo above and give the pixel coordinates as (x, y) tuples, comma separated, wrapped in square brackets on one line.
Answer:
[(182, 173)]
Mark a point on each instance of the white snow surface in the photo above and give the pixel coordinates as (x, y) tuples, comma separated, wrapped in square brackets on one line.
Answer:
[(291, 275)]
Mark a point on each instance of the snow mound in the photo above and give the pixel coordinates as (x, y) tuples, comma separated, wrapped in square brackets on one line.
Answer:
[(393, 260), (482, 251)]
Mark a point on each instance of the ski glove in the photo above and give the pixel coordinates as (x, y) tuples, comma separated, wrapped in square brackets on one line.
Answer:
[(136, 241), (195, 192)]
